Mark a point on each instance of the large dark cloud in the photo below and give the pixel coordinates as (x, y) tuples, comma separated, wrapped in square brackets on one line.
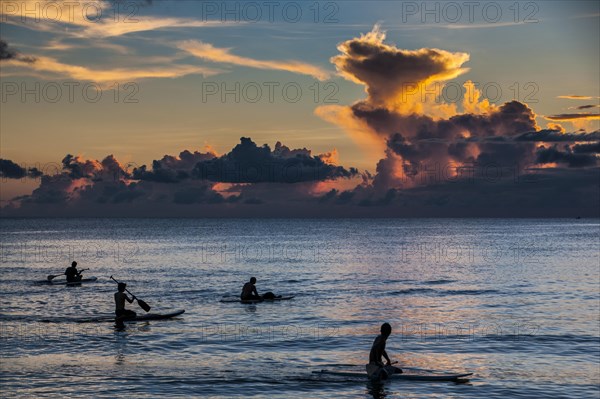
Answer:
[(172, 169), (549, 135), (177, 181), (420, 144), (577, 159), (591, 148), (245, 163), (10, 170), (549, 192), (160, 174), (502, 163), (249, 163), (108, 168)]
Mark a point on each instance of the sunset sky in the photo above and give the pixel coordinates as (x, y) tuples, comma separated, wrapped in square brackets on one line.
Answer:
[(362, 113)]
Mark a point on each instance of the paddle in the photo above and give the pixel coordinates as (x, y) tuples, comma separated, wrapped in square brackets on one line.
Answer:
[(142, 304), (52, 276)]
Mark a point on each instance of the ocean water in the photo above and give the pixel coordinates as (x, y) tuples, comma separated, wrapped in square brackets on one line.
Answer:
[(516, 302)]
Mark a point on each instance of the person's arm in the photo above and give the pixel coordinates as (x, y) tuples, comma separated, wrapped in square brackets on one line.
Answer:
[(128, 299), (254, 290), (385, 355)]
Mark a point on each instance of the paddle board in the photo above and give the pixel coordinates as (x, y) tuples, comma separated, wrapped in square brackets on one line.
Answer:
[(139, 317), (407, 377), (238, 300), (64, 282)]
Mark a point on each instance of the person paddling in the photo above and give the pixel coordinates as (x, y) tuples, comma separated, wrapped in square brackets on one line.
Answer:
[(120, 298), (376, 370), (73, 275)]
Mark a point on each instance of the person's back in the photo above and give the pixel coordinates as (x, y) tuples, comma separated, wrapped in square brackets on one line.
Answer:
[(119, 301), (72, 273), (376, 369), (120, 298), (249, 291), (377, 350)]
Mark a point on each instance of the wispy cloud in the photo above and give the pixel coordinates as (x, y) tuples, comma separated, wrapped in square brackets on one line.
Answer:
[(576, 97), (591, 15), (484, 25), (48, 65), (569, 117), (208, 52), (110, 29), (587, 106), (83, 24)]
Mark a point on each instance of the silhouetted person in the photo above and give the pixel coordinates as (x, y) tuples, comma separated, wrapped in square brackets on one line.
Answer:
[(249, 292), (120, 298), (376, 369), (73, 275)]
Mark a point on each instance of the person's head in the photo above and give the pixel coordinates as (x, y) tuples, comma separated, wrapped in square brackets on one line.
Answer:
[(73, 264), (253, 280), (386, 329), (121, 287)]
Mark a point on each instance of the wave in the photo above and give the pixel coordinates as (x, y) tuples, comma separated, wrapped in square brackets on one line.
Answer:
[(438, 282), (410, 291)]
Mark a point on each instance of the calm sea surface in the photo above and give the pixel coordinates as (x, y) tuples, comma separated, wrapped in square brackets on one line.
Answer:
[(514, 301)]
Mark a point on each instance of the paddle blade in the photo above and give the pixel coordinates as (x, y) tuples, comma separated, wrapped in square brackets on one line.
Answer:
[(143, 305), (51, 276)]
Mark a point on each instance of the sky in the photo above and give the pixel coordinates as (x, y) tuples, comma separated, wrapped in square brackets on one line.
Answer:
[(309, 109)]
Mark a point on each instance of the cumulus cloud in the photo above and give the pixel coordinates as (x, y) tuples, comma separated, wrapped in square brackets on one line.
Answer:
[(541, 192), (588, 148), (387, 71), (172, 169), (249, 163), (109, 168), (249, 175), (433, 159), (10, 170), (422, 138), (207, 51), (582, 158), (84, 184)]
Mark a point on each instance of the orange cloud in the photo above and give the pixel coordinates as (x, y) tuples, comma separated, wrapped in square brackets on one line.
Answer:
[(576, 97), (391, 75), (331, 158), (48, 65), (91, 19), (208, 52), (570, 117), (472, 102), (358, 130), (555, 126)]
